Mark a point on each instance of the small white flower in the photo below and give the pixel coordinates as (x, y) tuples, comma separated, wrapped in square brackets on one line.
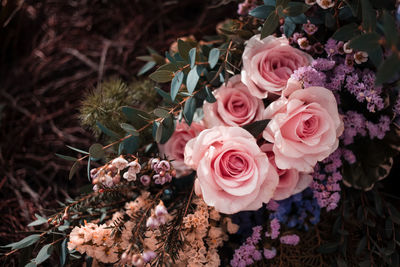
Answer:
[(134, 167), (130, 176), (310, 2), (325, 4), (120, 163), (360, 57), (347, 49)]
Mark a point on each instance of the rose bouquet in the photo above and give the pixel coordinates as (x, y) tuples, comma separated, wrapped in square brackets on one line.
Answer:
[(263, 146)]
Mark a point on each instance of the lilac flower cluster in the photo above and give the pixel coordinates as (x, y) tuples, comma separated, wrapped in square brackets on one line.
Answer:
[(327, 176), (355, 124), (247, 253), (297, 210), (336, 75)]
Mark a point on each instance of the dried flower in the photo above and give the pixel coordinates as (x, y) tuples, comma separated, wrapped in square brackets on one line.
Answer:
[(120, 163), (325, 4)]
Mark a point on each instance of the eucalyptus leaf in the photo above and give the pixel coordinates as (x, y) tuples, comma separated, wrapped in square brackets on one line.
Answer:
[(44, 253), (31, 264), (129, 129), (368, 16), (176, 84), (146, 67), (73, 170), (161, 113), (213, 57), (96, 151), (40, 220), (192, 57), (192, 79), (129, 145), (63, 252), (295, 9), (183, 48), (66, 157), (189, 110), (210, 98), (270, 25), (107, 131), (390, 29), (26, 242), (366, 42), (262, 12), (164, 95), (77, 150), (289, 27), (162, 76)]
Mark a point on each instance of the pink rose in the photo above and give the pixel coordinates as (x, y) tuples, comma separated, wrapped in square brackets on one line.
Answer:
[(268, 64), (174, 148), (304, 128), (233, 174), (291, 181), (235, 105)]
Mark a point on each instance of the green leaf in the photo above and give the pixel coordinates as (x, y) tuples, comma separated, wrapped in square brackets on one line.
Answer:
[(388, 69), (289, 27), (346, 32), (192, 79), (31, 264), (390, 29), (376, 56), (257, 127), (262, 12), (96, 151), (270, 25), (161, 113), (168, 129), (88, 169), (137, 117), (282, 3), (107, 131), (73, 170), (129, 129), (176, 84), (63, 252), (159, 133), (295, 9), (44, 253), (129, 145), (366, 42), (192, 57), (189, 110), (368, 16), (183, 48), (213, 57), (269, 2), (168, 67), (40, 220), (77, 150), (26, 242), (146, 67), (162, 76), (66, 157), (210, 98)]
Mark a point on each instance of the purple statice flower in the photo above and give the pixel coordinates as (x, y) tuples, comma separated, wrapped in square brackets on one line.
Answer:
[(247, 253), (269, 253), (348, 155), (331, 47), (396, 107), (309, 76), (326, 191), (354, 124), (292, 240), (378, 130), (272, 205), (275, 227), (323, 64)]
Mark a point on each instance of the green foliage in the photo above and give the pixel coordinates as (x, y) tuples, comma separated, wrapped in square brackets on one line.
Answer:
[(103, 105)]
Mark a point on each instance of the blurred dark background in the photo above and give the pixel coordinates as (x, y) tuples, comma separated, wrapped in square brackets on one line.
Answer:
[(51, 53)]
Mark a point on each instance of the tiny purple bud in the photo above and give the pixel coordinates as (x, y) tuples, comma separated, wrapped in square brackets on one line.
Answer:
[(152, 222), (145, 179), (149, 255)]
